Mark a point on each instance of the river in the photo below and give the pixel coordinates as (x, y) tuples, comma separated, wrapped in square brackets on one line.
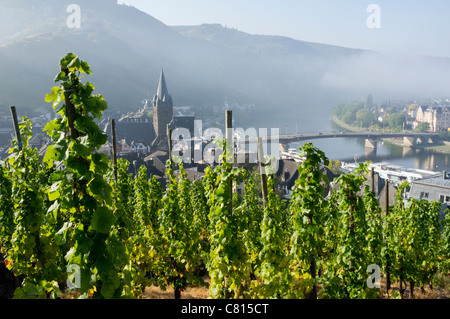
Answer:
[(349, 150)]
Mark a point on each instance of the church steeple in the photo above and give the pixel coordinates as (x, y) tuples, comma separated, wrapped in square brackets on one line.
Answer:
[(162, 114), (162, 93)]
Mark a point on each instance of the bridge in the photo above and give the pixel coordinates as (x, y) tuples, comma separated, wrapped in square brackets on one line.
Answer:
[(371, 137)]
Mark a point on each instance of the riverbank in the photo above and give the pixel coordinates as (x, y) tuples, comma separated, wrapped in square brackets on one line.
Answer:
[(439, 147), (345, 126)]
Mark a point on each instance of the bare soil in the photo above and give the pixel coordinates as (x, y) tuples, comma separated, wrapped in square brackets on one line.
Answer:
[(426, 293), (203, 293)]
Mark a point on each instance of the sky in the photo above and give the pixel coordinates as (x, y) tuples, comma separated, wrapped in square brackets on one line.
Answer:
[(416, 27)]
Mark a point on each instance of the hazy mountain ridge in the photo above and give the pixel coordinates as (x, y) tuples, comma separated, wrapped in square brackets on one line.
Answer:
[(264, 45), (204, 65), (118, 41)]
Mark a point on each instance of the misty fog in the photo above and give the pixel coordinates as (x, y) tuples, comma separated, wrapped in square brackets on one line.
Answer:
[(395, 76), (289, 80)]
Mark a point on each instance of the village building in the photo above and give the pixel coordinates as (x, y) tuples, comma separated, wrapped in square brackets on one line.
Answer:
[(435, 188), (437, 117)]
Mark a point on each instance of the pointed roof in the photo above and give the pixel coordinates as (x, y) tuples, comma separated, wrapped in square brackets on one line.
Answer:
[(162, 87)]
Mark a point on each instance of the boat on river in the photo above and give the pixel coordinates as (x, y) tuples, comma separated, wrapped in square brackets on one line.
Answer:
[(394, 173)]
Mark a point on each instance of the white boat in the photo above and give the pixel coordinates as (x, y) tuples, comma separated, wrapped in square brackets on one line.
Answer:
[(394, 173), (293, 154)]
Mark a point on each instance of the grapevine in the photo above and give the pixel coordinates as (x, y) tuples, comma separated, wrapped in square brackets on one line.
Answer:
[(120, 233)]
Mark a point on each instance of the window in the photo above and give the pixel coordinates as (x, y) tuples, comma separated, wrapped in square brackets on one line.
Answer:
[(424, 195)]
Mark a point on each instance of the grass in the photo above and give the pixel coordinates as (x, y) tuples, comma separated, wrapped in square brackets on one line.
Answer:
[(438, 148)]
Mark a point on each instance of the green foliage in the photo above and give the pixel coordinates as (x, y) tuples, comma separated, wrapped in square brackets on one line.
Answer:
[(422, 127), (229, 264), (126, 233), (347, 112), (335, 166), (31, 234), (253, 212), (178, 240), (80, 191), (396, 121), (355, 227), (308, 208), (369, 101), (444, 254), (413, 241), (365, 118), (6, 208), (274, 256), (443, 135)]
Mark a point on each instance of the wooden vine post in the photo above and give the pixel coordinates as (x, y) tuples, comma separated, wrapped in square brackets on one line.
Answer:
[(262, 171), (229, 149), (388, 275), (114, 148), (16, 126)]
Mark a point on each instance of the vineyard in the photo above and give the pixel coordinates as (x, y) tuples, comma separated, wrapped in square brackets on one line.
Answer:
[(79, 223)]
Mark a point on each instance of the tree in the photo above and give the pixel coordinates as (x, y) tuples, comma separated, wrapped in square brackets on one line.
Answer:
[(365, 118), (335, 166), (338, 109), (369, 101), (422, 127), (347, 112), (396, 121), (444, 135)]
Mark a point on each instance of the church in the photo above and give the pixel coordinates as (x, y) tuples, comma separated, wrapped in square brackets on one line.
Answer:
[(162, 115), (139, 127)]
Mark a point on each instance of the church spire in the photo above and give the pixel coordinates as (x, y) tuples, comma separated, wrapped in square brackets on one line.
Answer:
[(162, 92), (162, 114)]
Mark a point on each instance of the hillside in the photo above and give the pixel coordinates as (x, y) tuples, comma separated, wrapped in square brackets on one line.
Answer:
[(205, 65), (127, 48), (267, 46)]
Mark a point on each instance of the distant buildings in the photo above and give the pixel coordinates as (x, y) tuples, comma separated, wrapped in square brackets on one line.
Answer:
[(437, 117), (435, 188), (39, 139)]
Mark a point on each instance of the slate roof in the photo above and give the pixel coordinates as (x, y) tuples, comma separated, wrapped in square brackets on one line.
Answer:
[(162, 154), (434, 181), (191, 174), (288, 170)]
